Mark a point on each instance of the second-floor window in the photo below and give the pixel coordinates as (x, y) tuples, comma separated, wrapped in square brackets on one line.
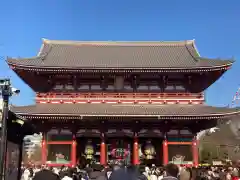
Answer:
[(142, 87)]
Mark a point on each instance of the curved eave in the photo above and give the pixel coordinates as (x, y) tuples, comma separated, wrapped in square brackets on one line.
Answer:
[(16, 65), (85, 111), (176, 117), (27, 127), (119, 43)]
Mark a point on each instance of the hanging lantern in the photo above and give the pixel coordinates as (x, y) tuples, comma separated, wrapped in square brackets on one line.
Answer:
[(120, 153), (149, 150), (89, 150)]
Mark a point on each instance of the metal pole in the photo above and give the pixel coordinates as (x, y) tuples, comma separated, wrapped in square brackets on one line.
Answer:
[(3, 143)]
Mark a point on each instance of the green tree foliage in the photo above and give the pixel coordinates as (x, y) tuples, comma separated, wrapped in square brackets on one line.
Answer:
[(208, 152)]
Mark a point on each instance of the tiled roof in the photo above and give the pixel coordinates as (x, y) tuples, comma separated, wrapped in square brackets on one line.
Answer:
[(118, 55), (123, 110)]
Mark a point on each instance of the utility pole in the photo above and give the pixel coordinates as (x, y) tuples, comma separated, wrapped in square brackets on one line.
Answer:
[(6, 92)]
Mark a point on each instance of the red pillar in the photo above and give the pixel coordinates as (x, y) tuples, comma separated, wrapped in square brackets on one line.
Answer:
[(44, 150), (74, 152), (195, 152), (165, 152), (135, 151), (103, 152)]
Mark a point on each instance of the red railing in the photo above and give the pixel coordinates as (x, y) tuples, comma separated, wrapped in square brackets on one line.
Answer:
[(120, 98), (119, 95)]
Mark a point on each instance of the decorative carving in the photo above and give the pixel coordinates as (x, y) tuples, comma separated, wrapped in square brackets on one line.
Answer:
[(172, 132), (185, 132), (58, 86), (88, 132), (149, 133), (178, 159), (120, 132), (69, 86)]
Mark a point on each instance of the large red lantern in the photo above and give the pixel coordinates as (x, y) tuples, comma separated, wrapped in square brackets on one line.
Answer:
[(119, 153)]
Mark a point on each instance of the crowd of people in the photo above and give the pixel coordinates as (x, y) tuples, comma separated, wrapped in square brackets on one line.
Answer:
[(121, 172)]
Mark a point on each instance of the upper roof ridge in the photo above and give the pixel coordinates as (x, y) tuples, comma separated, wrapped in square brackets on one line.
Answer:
[(139, 56), (119, 43)]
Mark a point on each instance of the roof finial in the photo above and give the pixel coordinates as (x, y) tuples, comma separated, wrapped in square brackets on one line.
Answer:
[(45, 40), (195, 47)]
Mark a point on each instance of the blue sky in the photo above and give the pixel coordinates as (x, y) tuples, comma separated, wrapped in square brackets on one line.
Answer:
[(215, 25)]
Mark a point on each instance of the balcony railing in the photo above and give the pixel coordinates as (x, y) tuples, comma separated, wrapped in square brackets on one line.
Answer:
[(162, 98)]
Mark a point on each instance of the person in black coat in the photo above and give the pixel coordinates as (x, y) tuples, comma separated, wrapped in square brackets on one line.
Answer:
[(46, 174), (97, 172), (120, 173)]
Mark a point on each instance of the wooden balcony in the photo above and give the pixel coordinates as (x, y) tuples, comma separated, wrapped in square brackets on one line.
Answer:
[(118, 95), (141, 98)]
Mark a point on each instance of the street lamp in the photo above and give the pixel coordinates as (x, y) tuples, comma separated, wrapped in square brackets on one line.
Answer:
[(6, 90)]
